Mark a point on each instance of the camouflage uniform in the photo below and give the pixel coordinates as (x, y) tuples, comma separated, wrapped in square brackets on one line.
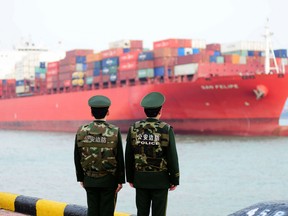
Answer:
[(151, 164), (99, 163)]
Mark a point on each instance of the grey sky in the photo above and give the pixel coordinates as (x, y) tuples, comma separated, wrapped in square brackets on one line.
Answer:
[(93, 23)]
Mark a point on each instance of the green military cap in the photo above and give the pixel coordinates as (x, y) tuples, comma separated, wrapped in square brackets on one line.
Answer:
[(99, 101), (153, 100)]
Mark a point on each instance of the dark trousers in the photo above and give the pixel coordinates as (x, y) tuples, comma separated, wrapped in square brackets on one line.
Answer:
[(101, 201), (156, 197)]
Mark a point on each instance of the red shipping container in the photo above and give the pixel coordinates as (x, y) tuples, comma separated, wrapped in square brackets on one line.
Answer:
[(146, 64), (105, 78), (127, 66), (65, 76), (130, 56), (214, 46), (89, 73), (11, 81), (159, 62), (125, 75), (184, 59), (97, 79), (67, 61), (173, 43), (52, 71), (78, 52), (53, 65), (67, 68), (136, 44), (67, 83), (111, 53)]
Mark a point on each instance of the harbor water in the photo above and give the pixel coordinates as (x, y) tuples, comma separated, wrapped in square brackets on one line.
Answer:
[(219, 175)]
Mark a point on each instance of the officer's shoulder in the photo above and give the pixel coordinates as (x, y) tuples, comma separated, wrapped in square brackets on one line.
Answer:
[(136, 123), (84, 126), (112, 125), (165, 125)]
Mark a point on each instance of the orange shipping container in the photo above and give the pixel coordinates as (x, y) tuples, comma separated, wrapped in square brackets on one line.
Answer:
[(93, 57), (165, 52)]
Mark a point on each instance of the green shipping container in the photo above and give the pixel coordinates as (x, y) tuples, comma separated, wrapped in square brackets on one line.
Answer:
[(143, 73), (89, 80), (40, 70)]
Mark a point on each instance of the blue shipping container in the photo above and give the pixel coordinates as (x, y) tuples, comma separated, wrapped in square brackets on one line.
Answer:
[(145, 56), (126, 50), (110, 62), (217, 53), (80, 59), (42, 65), (250, 53), (213, 59), (181, 51), (96, 71), (97, 64), (19, 82), (281, 53), (159, 71), (196, 50)]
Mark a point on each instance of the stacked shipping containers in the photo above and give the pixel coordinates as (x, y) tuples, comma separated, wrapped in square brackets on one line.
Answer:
[(7, 88), (72, 68), (94, 69), (145, 64), (52, 76), (125, 60)]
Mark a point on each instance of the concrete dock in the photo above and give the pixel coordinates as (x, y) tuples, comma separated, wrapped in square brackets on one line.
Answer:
[(9, 213)]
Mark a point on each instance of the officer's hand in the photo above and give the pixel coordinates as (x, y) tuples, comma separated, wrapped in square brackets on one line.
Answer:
[(82, 185), (131, 184), (172, 187), (119, 188)]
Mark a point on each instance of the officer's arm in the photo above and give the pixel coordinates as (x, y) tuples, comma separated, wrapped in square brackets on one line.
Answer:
[(172, 159), (129, 159), (120, 172), (78, 167)]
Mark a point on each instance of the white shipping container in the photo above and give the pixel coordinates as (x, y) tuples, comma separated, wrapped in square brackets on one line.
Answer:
[(185, 69), (284, 61), (243, 45), (120, 44), (22, 89), (198, 43), (79, 67), (188, 51), (242, 60)]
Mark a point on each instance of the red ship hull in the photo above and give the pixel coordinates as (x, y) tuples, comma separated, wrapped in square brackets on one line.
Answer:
[(218, 105)]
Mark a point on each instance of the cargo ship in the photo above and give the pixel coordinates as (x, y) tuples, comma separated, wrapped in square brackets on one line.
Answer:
[(213, 89)]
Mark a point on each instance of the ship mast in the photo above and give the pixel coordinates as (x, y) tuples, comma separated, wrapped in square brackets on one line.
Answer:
[(268, 50)]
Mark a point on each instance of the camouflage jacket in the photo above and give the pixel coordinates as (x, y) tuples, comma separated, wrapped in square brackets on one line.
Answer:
[(149, 141), (97, 143)]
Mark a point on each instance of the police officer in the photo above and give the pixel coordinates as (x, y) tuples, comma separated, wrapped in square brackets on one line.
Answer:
[(99, 160), (151, 158)]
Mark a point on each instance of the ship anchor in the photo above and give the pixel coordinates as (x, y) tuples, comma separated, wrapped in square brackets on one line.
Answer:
[(260, 92)]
